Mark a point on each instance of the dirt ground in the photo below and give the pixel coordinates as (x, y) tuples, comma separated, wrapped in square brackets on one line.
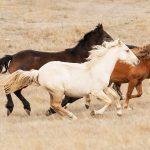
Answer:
[(53, 25)]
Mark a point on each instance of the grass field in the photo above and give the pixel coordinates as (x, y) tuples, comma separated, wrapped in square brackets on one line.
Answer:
[(53, 25)]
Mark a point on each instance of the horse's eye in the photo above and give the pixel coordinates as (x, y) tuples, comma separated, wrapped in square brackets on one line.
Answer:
[(127, 51)]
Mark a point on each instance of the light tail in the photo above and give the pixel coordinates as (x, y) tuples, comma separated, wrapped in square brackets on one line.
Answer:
[(19, 80)]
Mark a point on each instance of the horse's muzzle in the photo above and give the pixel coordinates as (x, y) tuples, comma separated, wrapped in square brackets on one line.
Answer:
[(137, 62)]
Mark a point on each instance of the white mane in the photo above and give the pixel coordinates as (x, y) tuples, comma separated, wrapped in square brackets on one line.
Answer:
[(100, 50), (96, 52)]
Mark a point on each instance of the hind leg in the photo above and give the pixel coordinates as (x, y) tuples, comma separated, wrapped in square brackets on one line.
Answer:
[(9, 104), (101, 96), (87, 101), (25, 103), (65, 103), (55, 103), (139, 90), (116, 87)]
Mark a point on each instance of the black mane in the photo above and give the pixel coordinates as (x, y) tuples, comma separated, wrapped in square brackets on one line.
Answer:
[(94, 37)]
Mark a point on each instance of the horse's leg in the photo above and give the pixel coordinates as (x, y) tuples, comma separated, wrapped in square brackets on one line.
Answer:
[(55, 103), (26, 104), (65, 103), (87, 101), (9, 104), (116, 87), (101, 96), (139, 90), (131, 86), (110, 91)]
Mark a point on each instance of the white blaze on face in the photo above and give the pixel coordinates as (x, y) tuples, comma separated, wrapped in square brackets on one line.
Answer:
[(126, 55), (3, 69)]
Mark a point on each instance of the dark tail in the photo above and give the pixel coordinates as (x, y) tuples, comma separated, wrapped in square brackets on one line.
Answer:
[(4, 63)]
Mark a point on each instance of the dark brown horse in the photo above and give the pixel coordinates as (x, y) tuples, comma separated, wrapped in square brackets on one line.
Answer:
[(30, 59), (134, 76)]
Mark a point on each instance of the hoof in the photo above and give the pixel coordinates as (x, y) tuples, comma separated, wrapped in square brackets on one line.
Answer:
[(8, 112), (92, 113), (65, 107), (128, 108), (49, 112), (121, 98), (119, 113), (87, 106), (9, 109), (28, 111), (73, 118)]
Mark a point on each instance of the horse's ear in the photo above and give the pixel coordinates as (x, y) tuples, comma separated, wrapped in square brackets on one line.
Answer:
[(119, 42), (95, 47), (100, 26), (104, 44)]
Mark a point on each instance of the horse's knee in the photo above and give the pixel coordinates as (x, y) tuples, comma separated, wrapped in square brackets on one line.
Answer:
[(139, 94), (55, 106), (116, 96), (109, 102)]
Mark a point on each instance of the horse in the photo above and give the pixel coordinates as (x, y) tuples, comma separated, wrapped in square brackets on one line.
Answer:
[(31, 59), (77, 79), (134, 76)]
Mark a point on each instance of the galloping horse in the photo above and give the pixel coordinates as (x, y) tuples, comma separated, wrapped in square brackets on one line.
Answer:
[(124, 73), (77, 79), (30, 59)]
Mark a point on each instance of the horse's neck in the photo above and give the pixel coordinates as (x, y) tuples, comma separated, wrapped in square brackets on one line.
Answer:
[(105, 64), (82, 48)]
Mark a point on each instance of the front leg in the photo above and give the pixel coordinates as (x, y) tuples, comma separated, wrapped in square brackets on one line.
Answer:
[(111, 92), (87, 101), (25, 103), (9, 104), (101, 96), (131, 86)]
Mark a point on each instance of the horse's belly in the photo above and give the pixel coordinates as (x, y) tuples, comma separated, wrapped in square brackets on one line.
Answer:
[(76, 93), (77, 90)]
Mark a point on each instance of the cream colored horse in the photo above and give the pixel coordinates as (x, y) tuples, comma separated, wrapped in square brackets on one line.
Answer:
[(77, 80)]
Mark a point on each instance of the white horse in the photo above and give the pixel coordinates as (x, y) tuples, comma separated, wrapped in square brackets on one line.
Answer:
[(77, 80)]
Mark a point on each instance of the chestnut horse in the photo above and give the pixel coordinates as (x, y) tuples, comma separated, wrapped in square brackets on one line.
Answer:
[(30, 59), (134, 76)]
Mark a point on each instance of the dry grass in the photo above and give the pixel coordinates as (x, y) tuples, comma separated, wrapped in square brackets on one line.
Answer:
[(49, 25)]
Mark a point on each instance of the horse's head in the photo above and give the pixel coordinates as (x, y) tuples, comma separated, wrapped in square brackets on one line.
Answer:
[(99, 35), (125, 54), (4, 62), (94, 37)]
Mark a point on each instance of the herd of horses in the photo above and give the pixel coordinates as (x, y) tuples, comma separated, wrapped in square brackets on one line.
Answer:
[(121, 73)]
